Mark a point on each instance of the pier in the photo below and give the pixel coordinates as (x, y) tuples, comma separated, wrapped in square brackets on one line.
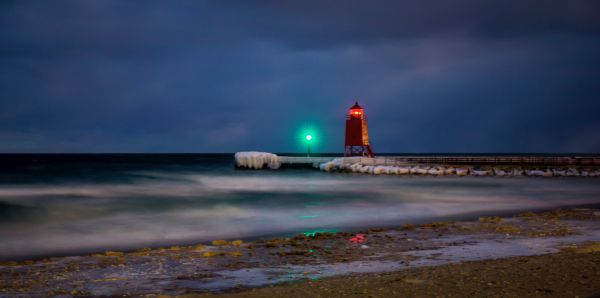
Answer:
[(479, 160), (259, 160), (292, 161)]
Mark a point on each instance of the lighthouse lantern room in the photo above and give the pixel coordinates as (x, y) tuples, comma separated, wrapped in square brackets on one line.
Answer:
[(357, 134)]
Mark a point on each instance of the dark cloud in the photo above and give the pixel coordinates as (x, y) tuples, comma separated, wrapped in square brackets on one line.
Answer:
[(216, 76)]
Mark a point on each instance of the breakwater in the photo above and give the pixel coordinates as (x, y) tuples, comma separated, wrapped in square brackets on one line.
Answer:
[(546, 166)]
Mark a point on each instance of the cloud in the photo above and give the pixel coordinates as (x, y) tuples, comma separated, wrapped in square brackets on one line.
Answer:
[(217, 76)]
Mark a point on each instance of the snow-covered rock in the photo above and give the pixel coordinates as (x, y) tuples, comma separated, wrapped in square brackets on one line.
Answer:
[(480, 173), (462, 171), (366, 169), (533, 172), (434, 171), (450, 171), (336, 163), (518, 172), (500, 172), (422, 171), (403, 171), (379, 170), (536, 172), (349, 164), (559, 172), (355, 167)]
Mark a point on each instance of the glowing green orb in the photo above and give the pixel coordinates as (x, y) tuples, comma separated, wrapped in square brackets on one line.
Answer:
[(308, 137)]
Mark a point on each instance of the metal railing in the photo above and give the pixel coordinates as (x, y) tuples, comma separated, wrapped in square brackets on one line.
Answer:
[(479, 160), (304, 159)]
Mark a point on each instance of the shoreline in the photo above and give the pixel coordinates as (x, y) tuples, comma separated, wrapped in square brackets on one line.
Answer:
[(570, 272), (231, 266)]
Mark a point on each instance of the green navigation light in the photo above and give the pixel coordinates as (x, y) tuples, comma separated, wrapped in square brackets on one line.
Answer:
[(309, 137)]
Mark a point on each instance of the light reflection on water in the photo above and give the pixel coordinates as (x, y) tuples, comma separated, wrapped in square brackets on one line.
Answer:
[(168, 207)]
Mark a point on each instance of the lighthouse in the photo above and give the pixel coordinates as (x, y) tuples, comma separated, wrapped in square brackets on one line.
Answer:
[(357, 134)]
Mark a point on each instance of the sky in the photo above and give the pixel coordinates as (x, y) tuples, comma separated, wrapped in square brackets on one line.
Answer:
[(226, 76)]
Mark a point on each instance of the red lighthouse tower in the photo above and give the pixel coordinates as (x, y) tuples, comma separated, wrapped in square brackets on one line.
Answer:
[(357, 135)]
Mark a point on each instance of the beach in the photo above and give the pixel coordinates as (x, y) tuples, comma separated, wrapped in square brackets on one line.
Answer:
[(564, 274), (553, 253)]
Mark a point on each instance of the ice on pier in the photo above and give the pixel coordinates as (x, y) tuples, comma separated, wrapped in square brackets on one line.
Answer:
[(257, 160), (383, 166), (375, 167)]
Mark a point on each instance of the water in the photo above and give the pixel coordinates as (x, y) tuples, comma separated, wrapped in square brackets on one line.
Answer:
[(72, 204), (478, 248)]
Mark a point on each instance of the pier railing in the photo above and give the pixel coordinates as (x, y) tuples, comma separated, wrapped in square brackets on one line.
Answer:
[(301, 161), (479, 160)]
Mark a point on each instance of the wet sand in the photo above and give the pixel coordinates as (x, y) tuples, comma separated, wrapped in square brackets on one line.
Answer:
[(549, 253), (566, 274)]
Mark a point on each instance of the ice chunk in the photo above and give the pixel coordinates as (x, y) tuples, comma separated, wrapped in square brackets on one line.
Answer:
[(257, 160)]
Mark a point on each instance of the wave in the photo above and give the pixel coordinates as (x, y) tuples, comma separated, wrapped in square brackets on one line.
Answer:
[(175, 208)]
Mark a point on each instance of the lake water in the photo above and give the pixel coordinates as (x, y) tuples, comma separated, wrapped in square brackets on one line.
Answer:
[(70, 204)]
